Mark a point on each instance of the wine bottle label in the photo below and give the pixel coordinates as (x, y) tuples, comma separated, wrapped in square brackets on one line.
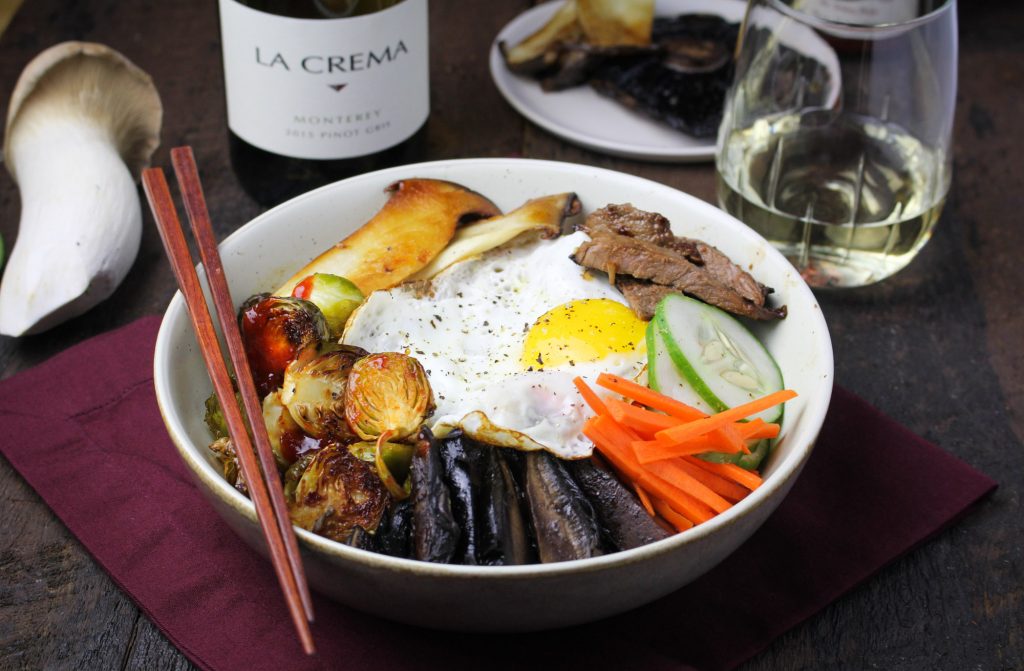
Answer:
[(325, 88), (864, 12)]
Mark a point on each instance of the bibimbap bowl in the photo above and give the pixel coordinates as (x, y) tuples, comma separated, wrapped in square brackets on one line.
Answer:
[(267, 250)]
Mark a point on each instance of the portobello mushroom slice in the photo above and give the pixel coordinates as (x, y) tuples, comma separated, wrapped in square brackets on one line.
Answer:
[(624, 520), (435, 530), (394, 532), (462, 489), (502, 534), (563, 519)]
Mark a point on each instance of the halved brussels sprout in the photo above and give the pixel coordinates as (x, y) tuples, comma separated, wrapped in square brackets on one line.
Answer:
[(314, 392), (336, 493), (214, 416), (287, 439), (225, 451), (391, 462), (387, 395), (334, 295), (277, 331), (294, 474)]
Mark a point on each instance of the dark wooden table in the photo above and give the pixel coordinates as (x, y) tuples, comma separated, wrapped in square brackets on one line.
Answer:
[(940, 347)]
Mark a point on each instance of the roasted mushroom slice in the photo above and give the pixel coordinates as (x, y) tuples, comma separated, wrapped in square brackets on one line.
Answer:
[(540, 50), (502, 535), (624, 520), (563, 518), (337, 493), (415, 224), (544, 215), (435, 531), (276, 332), (394, 533), (463, 492)]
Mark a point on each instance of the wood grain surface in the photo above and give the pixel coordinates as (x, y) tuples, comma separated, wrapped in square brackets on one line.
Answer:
[(938, 347)]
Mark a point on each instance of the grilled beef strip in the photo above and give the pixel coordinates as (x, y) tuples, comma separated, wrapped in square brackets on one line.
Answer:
[(643, 296), (639, 244)]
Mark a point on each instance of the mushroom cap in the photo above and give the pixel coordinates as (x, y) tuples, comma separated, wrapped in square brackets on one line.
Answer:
[(90, 81)]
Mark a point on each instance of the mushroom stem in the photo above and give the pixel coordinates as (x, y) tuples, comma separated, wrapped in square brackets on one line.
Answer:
[(80, 227)]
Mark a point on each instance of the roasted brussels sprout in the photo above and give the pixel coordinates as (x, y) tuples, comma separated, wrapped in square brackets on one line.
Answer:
[(387, 395), (277, 331), (314, 392), (334, 295), (391, 462), (336, 493), (225, 451), (294, 474), (287, 439), (214, 416)]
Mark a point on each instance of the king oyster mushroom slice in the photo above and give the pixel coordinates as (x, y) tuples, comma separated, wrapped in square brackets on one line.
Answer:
[(82, 123)]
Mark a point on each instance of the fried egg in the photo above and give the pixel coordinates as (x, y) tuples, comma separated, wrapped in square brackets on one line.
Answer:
[(502, 336)]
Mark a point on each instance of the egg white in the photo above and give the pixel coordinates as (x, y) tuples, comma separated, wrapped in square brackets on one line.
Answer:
[(468, 333)]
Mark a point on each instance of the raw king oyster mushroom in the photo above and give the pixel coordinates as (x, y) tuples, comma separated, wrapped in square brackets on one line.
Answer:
[(82, 123)]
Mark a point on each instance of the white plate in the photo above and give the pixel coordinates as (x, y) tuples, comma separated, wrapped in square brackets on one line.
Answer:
[(583, 116)]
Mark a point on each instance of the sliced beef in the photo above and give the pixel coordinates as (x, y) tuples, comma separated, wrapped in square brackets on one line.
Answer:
[(654, 228), (647, 261), (642, 296)]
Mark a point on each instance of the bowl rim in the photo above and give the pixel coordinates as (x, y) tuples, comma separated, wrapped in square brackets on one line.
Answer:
[(216, 485)]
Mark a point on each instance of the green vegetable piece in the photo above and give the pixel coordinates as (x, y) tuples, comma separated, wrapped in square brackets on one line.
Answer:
[(214, 416), (724, 363), (751, 461), (397, 456), (336, 297)]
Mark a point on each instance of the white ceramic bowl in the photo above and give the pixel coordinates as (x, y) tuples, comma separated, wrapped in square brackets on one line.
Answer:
[(263, 253)]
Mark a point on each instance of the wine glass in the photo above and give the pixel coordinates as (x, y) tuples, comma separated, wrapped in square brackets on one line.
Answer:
[(836, 139)]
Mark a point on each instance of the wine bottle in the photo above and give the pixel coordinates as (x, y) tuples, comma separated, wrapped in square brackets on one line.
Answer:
[(319, 90)]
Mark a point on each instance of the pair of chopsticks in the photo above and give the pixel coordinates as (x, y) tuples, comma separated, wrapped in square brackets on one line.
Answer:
[(267, 496)]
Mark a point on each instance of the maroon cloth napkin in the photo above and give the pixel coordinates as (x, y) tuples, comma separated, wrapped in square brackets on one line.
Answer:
[(84, 431)]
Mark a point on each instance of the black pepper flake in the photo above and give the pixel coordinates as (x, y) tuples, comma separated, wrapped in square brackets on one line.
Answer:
[(540, 359)]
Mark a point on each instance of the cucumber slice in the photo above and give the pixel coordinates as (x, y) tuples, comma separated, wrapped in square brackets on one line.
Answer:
[(721, 360), (663, 376), (751, 461)]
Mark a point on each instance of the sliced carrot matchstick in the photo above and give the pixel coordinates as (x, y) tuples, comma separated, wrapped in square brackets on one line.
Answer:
[(644, 422), (590, 396), (673, 517), (748, 479), (720, 485), (649, 397), (645, 499), (701, 426)]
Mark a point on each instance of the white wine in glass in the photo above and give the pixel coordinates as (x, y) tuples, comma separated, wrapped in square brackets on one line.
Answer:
[(835, 142)]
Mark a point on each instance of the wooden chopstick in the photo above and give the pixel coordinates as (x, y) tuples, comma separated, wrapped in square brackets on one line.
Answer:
[(195, 206), (173, 238)]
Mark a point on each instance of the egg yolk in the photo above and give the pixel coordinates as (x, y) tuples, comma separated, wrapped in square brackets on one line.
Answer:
[(582, 330)]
